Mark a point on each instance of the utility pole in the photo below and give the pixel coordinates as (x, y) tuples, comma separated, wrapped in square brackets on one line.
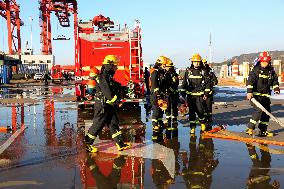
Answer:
[(210, 48), (31, 24)]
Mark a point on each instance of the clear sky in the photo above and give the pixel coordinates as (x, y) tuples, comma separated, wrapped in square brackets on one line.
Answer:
[(176, 28)]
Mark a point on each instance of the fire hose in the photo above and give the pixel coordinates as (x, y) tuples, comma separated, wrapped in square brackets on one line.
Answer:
[(253, 100), (221, 133)]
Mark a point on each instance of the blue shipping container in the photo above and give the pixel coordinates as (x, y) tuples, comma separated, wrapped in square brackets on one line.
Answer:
[(4, 74)]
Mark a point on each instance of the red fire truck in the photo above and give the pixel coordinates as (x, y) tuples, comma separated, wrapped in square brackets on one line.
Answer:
[(56, 73), (100, 37)]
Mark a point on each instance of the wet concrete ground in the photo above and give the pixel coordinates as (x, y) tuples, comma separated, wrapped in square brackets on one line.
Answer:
[(49, 153)]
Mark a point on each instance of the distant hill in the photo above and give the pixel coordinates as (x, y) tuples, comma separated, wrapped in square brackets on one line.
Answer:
[(276, 55)]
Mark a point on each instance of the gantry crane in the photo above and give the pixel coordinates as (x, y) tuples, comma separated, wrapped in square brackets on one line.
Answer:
[(62, 9), (10, 10)]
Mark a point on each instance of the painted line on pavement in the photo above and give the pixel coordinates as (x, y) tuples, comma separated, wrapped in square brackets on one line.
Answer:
[(18, 183), (10, 140)]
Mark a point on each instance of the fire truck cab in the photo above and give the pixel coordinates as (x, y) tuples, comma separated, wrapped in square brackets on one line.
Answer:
[(109, 39)]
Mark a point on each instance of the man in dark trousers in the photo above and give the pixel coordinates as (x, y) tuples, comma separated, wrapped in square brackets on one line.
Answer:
[(260, 80), (157, 94), (46, 78), (196, 87), (106, 99), (147, 80), (172, 93), (209, 100)]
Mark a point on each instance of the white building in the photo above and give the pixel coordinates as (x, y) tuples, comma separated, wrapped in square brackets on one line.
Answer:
[(38, 59)]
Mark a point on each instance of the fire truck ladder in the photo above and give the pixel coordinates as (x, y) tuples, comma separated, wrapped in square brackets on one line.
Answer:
[(133, 55)]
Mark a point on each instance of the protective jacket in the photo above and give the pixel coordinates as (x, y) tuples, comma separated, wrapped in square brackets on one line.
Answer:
[(213, 79), (196, 83), (172, 82), (261, 80), (107, 89)]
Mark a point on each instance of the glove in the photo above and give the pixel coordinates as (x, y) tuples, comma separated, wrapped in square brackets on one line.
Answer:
[(163, 105), (112, 101), (89, 97), (249, 96)]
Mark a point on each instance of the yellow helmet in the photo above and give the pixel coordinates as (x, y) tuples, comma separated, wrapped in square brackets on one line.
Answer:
[(204, 61), (196, 58), (169, 63), (162, 60), (111, 59)]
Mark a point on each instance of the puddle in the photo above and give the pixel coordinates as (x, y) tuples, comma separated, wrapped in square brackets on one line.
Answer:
[(51, 151)]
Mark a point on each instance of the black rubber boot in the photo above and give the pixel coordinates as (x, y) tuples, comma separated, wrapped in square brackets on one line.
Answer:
[(89, 140)]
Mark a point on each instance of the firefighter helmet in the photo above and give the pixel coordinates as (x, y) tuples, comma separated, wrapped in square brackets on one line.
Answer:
[(264, 57), (204, 61), (162, 60), (196, 58), (111, 59), (169, 63), (93, 72)]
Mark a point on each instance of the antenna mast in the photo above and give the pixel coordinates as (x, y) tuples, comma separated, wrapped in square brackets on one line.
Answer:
[(210, 48)]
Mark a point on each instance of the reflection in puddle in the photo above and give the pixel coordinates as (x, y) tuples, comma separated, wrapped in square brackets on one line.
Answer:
[(52, 145), (259, 176)]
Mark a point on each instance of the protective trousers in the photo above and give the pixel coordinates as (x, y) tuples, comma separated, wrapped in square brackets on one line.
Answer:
[(208, 108), (259, 116), (196, 106), (157, 116), (105, 115), (172, 111)]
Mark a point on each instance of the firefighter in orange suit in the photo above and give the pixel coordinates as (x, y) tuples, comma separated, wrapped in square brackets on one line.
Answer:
[(93, 80), (105, 106)]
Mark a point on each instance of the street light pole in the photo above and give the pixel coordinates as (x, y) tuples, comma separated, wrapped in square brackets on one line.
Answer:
[(31, 24), (210, 48)]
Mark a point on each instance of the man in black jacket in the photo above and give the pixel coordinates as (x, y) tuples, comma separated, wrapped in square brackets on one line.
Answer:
[(172, 93), (209, 101), (196, 86), (106, 98), (261, 78), (147, 80), (158, 89)]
